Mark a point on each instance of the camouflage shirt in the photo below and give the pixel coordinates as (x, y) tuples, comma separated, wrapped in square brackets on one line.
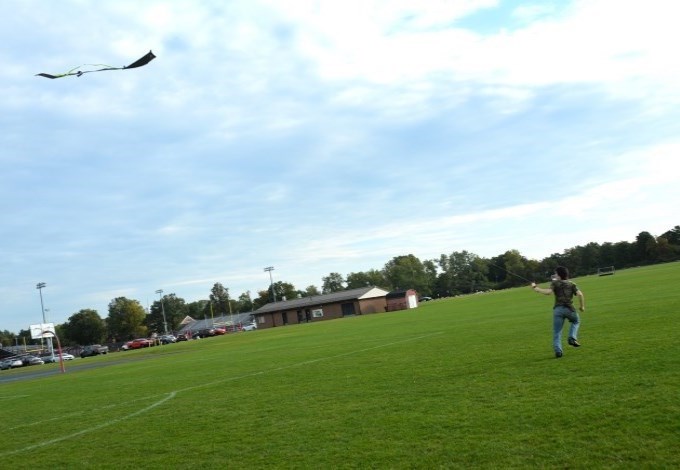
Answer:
[(564, 293)]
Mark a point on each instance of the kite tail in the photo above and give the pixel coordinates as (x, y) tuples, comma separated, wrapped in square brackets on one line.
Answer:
[(75, 71)]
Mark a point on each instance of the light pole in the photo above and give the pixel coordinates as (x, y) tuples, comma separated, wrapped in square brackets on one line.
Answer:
[(40, 287), (271, 280), (165, 323), (231, 315)]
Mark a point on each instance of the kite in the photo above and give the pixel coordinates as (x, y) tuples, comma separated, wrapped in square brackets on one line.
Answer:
[(138, 63)]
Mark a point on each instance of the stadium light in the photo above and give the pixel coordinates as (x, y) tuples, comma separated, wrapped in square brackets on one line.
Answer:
[(165, 323), (40, 286), (271, 280)]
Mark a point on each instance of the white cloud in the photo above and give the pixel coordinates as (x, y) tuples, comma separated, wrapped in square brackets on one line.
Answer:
[(321, 137), (621, 47)]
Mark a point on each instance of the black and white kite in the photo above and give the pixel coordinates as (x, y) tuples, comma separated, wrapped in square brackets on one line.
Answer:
[(77, 72)]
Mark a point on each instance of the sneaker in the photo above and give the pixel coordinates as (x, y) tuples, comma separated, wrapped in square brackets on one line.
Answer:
[(558, 354), (574, 343)]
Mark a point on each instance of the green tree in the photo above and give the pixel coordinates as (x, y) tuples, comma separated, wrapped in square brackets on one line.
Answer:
[(7, 338), (645, 248), (175, 309), (665, 250), (607, 254), (311, 291), (520, 267), (443, 286), (407, 272), (263, 298), (590, 259), (462, 272), (84, 327), (673, 236), (625, 254), (372, 277), (24, 338), (63, 335), (333, 283), (197, 309), (430, 266), (219, 297), (285, 291), (126, 319), (572, 258), (245, 303), (511, 269)]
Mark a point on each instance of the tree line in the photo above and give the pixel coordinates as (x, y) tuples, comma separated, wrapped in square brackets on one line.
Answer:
[(457, 273)]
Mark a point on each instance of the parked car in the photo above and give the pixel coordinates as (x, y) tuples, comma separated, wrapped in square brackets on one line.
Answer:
[(425, 299), (220, 331), (94, 350), (204, 333), (11, 363), (182, 337), (55, 357), (249, 327), (32, 361), (167, 339), (141, 343)]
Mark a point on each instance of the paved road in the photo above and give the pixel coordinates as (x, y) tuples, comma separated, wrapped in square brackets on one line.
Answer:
[(78, 364), (34, 372)]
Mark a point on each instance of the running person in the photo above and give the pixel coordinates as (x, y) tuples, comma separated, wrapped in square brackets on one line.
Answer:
[(564, 291)]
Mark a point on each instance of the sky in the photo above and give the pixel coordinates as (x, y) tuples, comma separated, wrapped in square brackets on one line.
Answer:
[(320, 137)]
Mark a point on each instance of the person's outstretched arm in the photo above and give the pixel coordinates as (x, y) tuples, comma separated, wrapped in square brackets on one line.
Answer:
[(540, 290)]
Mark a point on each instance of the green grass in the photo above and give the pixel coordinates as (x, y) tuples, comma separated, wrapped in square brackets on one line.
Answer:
[(469, 382)]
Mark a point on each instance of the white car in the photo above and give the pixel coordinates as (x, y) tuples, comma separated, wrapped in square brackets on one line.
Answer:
[(55, 357), (11, 363), (249, 327)]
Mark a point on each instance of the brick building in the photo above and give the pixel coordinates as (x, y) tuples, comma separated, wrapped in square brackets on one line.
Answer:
[(322, 307)]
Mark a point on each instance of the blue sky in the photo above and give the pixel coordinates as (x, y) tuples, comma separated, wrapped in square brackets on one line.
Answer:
[(321, 137)]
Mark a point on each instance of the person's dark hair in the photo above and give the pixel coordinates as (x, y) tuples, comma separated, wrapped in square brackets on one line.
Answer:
[(562, 272)]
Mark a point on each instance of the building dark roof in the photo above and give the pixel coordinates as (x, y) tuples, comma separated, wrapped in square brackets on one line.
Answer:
[(318, 300), (397, 294)]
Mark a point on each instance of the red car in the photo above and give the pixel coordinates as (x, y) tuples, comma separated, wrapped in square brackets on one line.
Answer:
[(220, 331), (140, 343)]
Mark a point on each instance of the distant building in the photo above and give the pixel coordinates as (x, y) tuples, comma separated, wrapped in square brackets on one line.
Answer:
[(322, 307), (192, 327), (402, 300)]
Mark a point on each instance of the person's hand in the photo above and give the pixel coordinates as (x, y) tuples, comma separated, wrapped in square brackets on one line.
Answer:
[(583, 309), (533, 285)]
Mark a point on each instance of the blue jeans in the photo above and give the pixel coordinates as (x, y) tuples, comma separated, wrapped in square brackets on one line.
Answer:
[(559, 315)]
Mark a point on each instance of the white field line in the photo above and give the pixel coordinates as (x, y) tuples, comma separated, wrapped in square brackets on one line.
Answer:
[(171, 395), (13, 397), (94, 428), (76, 413), (311, 361)]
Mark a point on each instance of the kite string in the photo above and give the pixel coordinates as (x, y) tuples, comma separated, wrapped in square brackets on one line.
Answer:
[(510, 272)]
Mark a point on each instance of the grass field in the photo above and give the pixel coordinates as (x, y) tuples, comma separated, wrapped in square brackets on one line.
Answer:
[(469, 382)]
